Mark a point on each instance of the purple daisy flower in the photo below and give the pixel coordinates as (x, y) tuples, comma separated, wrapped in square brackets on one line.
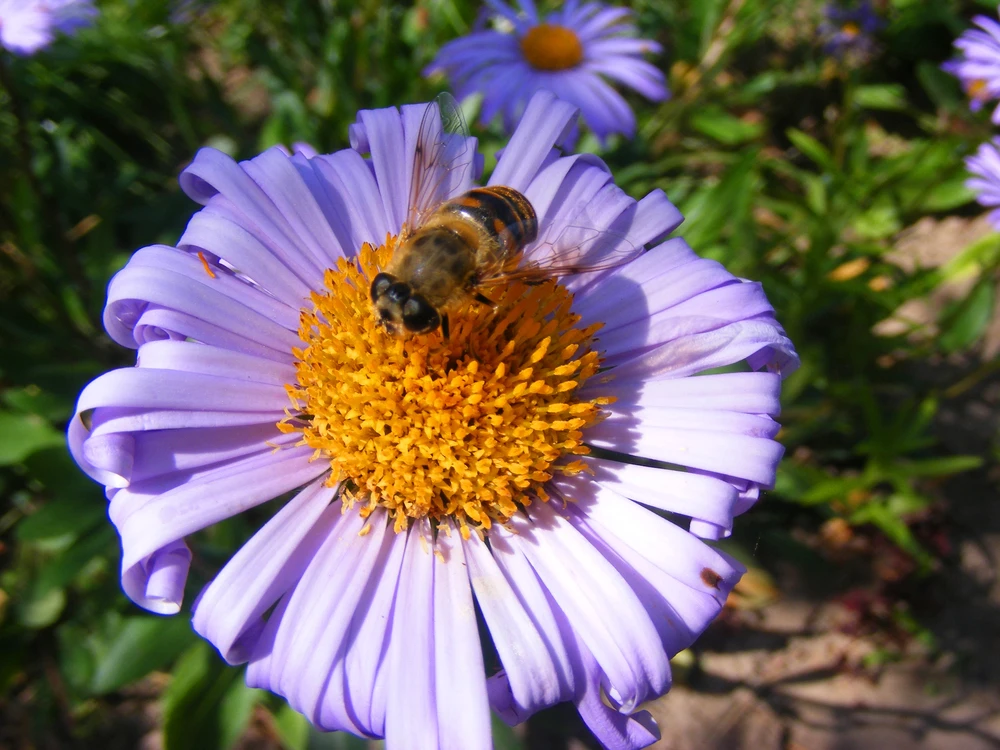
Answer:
[(187, 11), (27, 26), (985, 166), (570, 53), (515, 466), (849, 29), (978, 68)]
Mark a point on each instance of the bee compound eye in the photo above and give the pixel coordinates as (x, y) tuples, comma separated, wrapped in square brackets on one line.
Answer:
[(380, 285), (398, 292), (419, 316)]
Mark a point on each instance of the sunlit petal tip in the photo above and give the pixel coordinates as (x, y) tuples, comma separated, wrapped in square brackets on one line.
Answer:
[(28, 26)]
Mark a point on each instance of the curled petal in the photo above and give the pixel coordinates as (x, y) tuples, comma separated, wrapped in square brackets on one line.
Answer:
[(150, 519), (264, 568), (606, 613)]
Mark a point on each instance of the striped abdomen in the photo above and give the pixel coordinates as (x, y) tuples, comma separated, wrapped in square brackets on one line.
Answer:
[(501, 212)]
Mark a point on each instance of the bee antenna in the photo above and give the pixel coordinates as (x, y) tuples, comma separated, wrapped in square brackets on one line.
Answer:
[(444, 326), (484, 300)]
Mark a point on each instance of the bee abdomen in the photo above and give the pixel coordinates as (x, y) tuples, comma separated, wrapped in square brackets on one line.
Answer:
[(502, 212)]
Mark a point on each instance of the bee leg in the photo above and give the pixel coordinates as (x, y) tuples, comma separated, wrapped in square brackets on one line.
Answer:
[(444, 326), (484, 300)]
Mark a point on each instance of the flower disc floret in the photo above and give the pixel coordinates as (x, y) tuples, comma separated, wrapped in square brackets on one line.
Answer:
[(849, 30), (551, 47), (468, 427)]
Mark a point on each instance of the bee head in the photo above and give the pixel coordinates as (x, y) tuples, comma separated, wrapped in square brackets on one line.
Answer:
[(399, 310)]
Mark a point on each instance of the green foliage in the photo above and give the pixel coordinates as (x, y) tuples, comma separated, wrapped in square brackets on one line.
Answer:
[(206, 703), (792, 167), (139, 645), (813, 207)]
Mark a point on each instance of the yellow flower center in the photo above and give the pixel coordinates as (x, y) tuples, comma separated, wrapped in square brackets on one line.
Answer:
[(551, 47), (850, 29), (977, 89), (469, 427)]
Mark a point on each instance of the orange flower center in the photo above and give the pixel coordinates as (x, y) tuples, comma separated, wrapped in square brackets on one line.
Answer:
[(551, 47), (977, 89), (850, 29), (469, 427)]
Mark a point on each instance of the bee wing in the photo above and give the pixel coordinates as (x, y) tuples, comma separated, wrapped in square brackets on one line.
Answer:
[(576, 250), (442, 159)]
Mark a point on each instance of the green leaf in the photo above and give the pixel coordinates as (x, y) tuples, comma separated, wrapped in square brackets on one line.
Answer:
[(33, 400), (201, 707), (193, 666), (235, 711), (711, 210), (55, 470), (724, 127), (941, 87), (966, 323), (23, 434), (878, 222), (188, 711), (978, 256), (948, 195), (943, 466), (70, 563), (906, 503), (813, 149), (794, 481), (503, 736), (76, 658), (815, 193), (891, 96), (60, 517), (832, 489), (890, 524), (760, 85), (319, 740), (142, 645), (292, 728), (41, 607)]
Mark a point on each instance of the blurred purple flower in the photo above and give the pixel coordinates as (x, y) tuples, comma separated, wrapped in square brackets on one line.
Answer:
[(978, 67), (985, 166), (570, 53), (186, 11), (27, 26), (369, 626), (849, 30)]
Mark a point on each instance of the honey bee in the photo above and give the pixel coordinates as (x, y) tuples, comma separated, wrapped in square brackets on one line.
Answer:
[(450, 249)]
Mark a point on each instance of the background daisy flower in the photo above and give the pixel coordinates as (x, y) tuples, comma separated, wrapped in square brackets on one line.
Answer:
[(27, 26), (985, 167), (424, 471), (569, 52), (978, 67), (849, 29)]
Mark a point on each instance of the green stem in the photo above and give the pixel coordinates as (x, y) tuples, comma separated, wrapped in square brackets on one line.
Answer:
[(843, 126)]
